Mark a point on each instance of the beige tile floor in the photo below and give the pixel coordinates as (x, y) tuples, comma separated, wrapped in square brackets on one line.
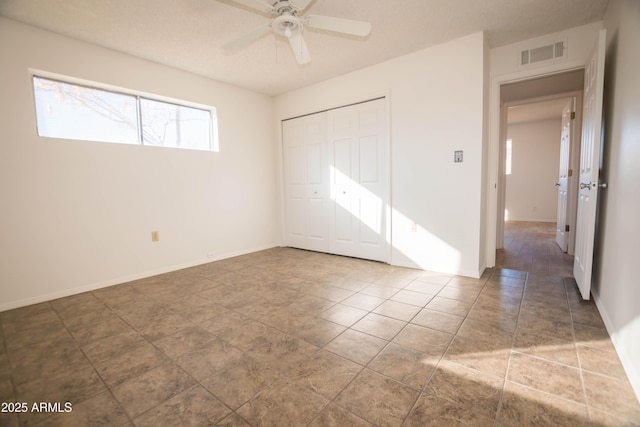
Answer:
[(288, 337)]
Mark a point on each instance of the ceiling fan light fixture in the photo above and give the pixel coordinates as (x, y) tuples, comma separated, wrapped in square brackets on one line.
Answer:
[(287, 25)]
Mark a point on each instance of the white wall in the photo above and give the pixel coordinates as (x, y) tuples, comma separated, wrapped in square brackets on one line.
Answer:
[(78, 215), (437, 104), (615, 286), (530, 193)]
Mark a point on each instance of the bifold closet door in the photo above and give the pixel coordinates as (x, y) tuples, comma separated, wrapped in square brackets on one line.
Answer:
[(336, 175), (360, 184), (306, 178)]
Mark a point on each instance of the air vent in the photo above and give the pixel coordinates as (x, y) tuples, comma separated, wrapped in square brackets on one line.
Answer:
[(542, 53)]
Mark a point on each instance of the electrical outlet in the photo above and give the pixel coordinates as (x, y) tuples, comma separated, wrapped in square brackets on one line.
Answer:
[(155, 236), (457, 156)]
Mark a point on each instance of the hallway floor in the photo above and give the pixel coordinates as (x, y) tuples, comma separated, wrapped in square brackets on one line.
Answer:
[(531, 247), (286, 337)]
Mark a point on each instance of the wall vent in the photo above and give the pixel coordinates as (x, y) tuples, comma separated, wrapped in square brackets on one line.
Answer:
[(543, 53)]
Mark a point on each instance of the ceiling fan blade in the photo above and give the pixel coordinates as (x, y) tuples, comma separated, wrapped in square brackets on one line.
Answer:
[(339, 25), (256, 4), (300, 4), (248, 38), (299, 48)]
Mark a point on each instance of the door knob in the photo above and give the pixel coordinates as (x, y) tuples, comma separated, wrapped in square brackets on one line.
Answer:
[(557, 184), (590, 184)]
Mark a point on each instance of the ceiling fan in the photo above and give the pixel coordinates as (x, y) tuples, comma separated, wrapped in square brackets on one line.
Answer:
[(290, 24)]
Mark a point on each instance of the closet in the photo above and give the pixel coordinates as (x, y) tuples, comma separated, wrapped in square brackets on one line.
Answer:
[(337, 181)]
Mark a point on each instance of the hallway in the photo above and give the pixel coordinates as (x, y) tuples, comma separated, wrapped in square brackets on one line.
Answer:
[(530, 246)]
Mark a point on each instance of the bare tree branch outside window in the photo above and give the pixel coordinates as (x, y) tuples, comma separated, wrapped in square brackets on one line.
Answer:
[(84, 111)]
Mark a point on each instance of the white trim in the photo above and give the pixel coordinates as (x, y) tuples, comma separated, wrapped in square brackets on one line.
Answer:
[(214, 143), (34, 72), (465, 273), (124, 279), (631, 367), (383, 94), (371, 96), (493, 169)]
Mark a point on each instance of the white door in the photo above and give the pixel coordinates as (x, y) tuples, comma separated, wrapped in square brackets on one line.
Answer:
[(359, 176), (589, 166), (562, 231), (306, 182)]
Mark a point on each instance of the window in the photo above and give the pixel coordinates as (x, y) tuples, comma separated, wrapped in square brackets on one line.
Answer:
[(172, 125), (72, 111), (508, 157)]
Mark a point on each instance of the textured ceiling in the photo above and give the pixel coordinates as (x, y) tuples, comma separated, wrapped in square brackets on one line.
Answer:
[(187, 34)]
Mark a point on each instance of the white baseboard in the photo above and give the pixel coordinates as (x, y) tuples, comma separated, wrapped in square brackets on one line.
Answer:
[(123, 279), (465, 273), (631, 367)]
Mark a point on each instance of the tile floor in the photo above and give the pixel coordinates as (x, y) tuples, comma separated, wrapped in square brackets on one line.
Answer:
[(286, 337)]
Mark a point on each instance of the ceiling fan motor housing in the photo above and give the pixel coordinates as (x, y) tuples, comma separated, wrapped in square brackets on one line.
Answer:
[(286, 23)]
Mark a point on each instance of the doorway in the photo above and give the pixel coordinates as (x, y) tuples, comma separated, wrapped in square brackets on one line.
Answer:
[(534, 197)]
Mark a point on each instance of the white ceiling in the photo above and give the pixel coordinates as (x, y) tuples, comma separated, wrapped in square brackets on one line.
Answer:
[(187, 34), (536, 111)]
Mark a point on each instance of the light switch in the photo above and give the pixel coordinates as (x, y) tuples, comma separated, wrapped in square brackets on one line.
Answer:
[(457, 156)]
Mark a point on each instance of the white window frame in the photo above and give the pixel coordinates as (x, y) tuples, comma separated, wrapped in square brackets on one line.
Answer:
[(213, 117)]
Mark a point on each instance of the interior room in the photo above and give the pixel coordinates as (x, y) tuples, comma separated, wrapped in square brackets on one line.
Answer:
[(315, 212)]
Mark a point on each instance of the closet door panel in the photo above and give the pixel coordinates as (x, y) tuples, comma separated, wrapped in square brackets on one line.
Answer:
[(306, 182), (336, 167), (359, 152)]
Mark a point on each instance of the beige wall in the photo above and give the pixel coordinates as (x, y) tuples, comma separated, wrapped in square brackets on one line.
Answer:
[(616, 285), (78, 215), (530, 193)]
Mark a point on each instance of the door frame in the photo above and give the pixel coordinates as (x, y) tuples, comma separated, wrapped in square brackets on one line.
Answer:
[(574, 160), (495, 124)]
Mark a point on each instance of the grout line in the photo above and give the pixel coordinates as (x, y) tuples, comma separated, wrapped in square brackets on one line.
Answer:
[(580, 370), (437, 365), (270, 283), (513, 342), (90, 362)]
